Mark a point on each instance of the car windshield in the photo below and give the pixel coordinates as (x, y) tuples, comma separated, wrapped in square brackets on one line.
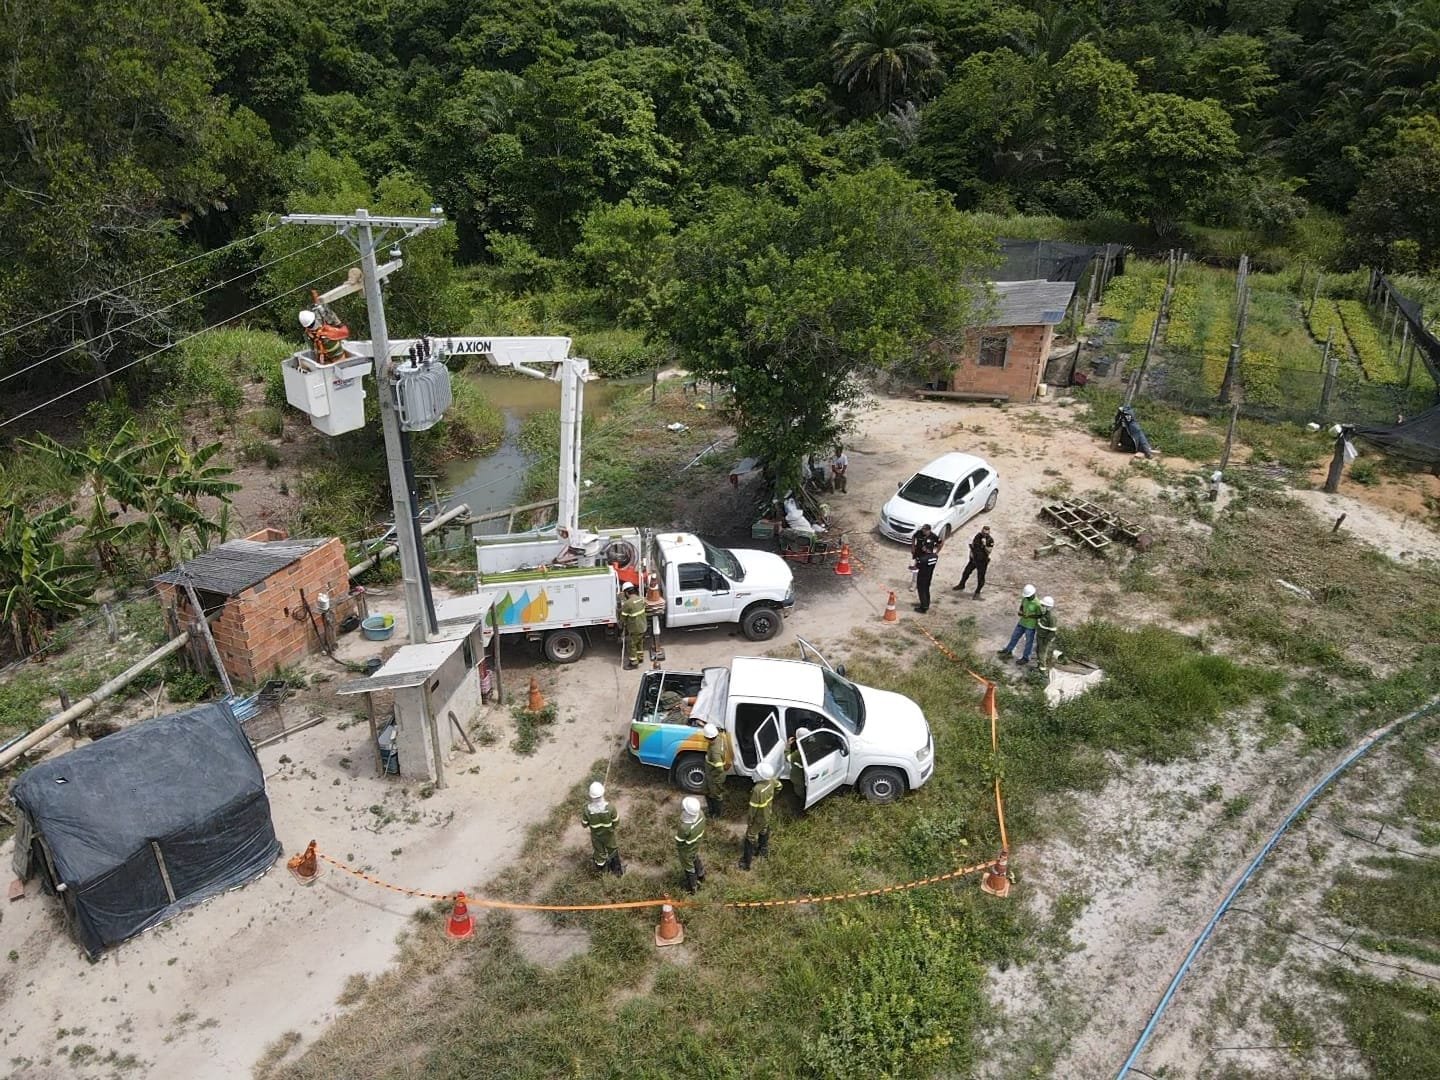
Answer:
[(724, 561), (843, 701), (926, 490)]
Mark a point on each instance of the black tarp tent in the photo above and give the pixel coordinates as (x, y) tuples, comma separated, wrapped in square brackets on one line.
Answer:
[(1416, 439), (140, 825)]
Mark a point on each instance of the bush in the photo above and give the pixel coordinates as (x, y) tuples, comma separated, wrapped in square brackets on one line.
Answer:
[(617, 354), (258, 450), (183, 686)]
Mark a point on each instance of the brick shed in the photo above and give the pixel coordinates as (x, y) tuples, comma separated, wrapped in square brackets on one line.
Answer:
[(1007, 357), (256, 583)]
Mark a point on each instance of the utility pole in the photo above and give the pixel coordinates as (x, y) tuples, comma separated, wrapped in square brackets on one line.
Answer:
[(359, 228), (1328, 366)]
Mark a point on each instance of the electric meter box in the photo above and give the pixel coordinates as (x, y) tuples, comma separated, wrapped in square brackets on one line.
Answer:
[(332, 395), (422, 394)]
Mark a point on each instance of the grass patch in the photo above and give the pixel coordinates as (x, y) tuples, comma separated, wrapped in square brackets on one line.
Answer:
[(1395, 1024), (1169, 429), (531, 727)]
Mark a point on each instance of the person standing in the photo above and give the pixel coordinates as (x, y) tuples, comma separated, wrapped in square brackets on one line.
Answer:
[(1046, 628), (925, 553), (797, 766), (757, 829), (979, 560), (839, 466), (632, 618), (687, 842), (601, 819), (1029, 616), (714, 770)]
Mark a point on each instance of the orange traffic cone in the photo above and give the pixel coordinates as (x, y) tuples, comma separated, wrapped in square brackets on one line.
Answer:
[(305, 867), (462, 923), (997, 879), (843, 566), (890, 613), (652, 591), (669, 932), (537, 700)]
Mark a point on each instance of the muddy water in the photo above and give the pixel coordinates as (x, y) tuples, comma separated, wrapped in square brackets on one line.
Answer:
[(494, 481)]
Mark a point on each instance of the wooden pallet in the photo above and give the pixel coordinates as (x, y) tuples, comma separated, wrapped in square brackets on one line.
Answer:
[(1093, 526)]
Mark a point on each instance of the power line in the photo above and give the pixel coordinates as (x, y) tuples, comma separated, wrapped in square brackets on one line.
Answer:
[(151, 314), (179, 341), (111, 292)]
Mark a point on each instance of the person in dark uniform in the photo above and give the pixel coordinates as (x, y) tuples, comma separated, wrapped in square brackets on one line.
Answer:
[(925, 551), (979, 560)]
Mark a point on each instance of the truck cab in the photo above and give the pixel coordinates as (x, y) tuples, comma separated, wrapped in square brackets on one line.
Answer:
[(874, 740), (704, 585)]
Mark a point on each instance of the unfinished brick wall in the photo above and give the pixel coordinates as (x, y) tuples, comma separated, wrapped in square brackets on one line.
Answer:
[(1025, 358)]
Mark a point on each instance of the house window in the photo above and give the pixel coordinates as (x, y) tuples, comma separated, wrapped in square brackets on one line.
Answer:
[(992, 350)]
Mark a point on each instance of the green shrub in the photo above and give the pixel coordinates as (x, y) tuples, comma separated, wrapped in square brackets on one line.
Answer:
[(616, 354), (269, 420), (1366, 473), (258, 450), (183, 686)]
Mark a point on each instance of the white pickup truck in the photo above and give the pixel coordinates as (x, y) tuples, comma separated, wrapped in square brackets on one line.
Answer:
[(875, 740), (556, 589)]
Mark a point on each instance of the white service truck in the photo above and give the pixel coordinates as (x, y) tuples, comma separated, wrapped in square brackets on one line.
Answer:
[(875, 740)]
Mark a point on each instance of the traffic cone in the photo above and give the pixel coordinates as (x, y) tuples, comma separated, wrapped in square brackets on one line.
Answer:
[(843, 566), (305, 866), (537, 700), (997, 879), (462, 923), (652, 591), (669, 932), (890, 614)]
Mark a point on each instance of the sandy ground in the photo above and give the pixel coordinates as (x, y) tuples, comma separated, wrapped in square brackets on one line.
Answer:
[(204, 995)]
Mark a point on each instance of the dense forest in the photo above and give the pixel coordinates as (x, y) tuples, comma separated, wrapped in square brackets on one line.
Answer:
[(577, 141)]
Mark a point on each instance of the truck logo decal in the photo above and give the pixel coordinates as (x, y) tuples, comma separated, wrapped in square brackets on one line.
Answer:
[(521, 610)]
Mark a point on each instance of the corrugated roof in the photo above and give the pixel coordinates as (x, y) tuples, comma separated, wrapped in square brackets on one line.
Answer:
[(233, 567), (1030, 303)]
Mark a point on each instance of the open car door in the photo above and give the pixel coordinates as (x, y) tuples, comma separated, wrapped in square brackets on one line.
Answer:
[(807, 651), (824, 753), (770, 743)]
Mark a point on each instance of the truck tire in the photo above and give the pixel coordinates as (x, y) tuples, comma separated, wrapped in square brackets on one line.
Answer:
[(689, 773), (564, 646), (761, 623), (882, 784)]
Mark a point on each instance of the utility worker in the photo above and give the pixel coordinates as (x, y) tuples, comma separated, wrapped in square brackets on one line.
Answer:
[(839, 465), (326, 337), (797, 766), (924, 554), (1029, 617), (762, 799), (979, 560), (673, 706), (714, 770), (632, 618), (601, 818), (687, 842), (1046, 628)]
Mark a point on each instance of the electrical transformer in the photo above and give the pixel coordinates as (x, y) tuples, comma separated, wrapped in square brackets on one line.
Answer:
[(422, 394)]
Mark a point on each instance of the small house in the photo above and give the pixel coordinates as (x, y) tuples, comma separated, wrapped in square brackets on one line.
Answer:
[(1004, 360)]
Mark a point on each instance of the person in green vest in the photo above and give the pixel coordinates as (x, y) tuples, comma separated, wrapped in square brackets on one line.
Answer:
[(1047, 626), (1029, 617), (714, 770), (601, 819), (687, 842), (762, 799), (797, 766), (632, 618)]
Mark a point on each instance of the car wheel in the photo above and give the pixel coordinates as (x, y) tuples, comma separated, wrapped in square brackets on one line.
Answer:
[(564, 647), (690, 773), (992, 500), (760, 623), (882, 785), (944, 533)]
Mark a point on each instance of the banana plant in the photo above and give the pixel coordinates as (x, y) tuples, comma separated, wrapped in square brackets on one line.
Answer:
[(38, 585)]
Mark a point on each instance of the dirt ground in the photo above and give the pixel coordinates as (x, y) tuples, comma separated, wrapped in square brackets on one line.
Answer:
[(207, 993)]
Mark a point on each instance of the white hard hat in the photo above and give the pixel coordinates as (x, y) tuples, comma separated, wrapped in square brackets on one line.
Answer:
[(690, 807), (802, 733), (307, 318), (711, 731), (1047, 601), (765, 771), (629, 586), (1029, 590), (597, 790)]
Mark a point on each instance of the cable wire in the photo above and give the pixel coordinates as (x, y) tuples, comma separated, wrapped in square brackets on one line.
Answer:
[(111, 292), (179, 341), (151, 314)]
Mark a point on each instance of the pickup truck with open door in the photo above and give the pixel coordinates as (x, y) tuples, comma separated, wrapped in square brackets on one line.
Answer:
[(874, 740)]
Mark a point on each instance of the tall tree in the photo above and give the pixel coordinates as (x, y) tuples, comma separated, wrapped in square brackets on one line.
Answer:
[(883, 51)]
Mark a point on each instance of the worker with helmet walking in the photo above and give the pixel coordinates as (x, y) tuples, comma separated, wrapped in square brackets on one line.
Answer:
[(1029, 616), (714, 770), (601, 818), (762, 799), (1045, 630), (632, 619), (687, 842)]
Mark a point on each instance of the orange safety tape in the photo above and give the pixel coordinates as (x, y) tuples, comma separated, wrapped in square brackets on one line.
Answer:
[(510, 905)]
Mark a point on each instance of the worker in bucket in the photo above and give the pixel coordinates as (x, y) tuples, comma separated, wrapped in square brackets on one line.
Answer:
[(714, 770), (325, 334), (762, 799), (632, 618), (601, 819), (1046, 627), (1029, 616), (687, 842)]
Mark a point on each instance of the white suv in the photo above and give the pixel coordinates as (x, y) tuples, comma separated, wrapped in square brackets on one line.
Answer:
[(944, 494)]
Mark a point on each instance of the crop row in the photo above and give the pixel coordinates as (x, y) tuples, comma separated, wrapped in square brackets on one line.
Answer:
[(1132, 302), (1374, 357), (1260, 376), (1200, 327)]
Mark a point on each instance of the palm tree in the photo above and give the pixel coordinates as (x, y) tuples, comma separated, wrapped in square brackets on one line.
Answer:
[(883, 50)]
